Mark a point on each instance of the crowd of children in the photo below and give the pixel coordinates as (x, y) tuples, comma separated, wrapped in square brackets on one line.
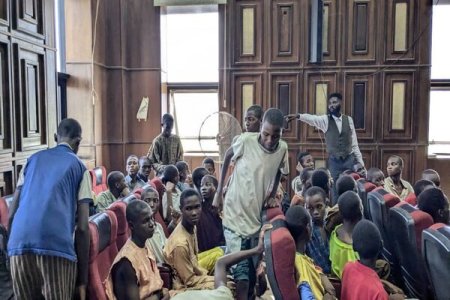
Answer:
[(208, 218), (200, 225)]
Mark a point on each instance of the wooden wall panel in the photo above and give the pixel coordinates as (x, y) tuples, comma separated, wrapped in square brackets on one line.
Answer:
[(330, 30), (29, 17), (248, 32), (285, 32), (30, 109), (6, 126), (398, 106), (4, 12), (248, 90), (370, 56), (401, 27), (284, 92), (361, 30), (359, 98)]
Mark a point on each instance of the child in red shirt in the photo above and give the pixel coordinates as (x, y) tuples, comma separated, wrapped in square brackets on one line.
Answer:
[(359, 280)]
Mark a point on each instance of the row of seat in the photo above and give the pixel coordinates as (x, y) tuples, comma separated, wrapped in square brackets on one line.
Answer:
[(406, 232)]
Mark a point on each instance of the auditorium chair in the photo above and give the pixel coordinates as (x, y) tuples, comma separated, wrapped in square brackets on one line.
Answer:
[(378, 204), (98, 176), (102, 252), (129, 198), (119, 208), (406, 226), (4, 213), (364, 187), (279, 247), (411, 199), (270, 213), (436, 253)]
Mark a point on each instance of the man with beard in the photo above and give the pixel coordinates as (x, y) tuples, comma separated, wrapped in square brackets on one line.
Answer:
[(340, 136)]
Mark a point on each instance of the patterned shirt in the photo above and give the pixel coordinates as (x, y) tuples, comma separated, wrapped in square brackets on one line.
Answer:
[(319, 250), (165, 151), (103, 200)]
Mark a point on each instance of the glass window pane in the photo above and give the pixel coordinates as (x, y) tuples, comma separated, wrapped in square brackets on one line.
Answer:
[(192, 46), (438, 131), (190, 110), (440, 61)]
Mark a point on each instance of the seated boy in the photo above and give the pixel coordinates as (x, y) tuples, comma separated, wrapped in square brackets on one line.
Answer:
[(318, 247), (158, 241), (181, 250), (435, 203), (322, 178), (134, 274), (171, 196), (341, 249), (117, 188), (304, 160), (208, 164), (197, 176), (359, 169), (376, 176), (221, 290), (209, 228), (359, 280), (433, 176), (311, 280), (305, 178), (345, 183), (132, 180)]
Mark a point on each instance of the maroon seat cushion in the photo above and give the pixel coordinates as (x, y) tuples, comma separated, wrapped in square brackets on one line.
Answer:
[(411, 199), (271, 213), (369, 186), (4, 213), (119, 209), (279, 249), (102, 251), (390, 200), (98, 176)]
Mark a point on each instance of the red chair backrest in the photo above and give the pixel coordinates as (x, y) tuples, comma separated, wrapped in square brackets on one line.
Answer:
[(436, 252), (98, 175), (279, 247), (411, 199), (161, 189), (119, 208), (4, 213), (406, 226), (102, 252), (270, 213)]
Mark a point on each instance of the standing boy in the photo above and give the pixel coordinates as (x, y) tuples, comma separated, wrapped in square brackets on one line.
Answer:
[(166, 148), (259, 161), (52, 199)]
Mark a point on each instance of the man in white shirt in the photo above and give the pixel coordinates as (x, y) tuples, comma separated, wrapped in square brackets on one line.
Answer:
[(340, 136)]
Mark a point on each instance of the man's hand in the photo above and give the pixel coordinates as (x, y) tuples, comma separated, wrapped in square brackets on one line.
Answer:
[(290, 117), (165, 294), (260, 247), (169, 186), (80, 292), (176, 215)]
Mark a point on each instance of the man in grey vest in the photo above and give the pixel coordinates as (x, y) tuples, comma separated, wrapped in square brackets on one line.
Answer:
[(340, 137)]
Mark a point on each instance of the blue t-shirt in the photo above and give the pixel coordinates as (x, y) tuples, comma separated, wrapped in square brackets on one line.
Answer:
[(44, 222)]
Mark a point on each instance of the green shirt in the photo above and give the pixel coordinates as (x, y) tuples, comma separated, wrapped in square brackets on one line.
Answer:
[(104, 199), (340, 253)]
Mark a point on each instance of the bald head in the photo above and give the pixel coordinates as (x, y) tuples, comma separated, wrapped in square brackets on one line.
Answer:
[(432, 176)]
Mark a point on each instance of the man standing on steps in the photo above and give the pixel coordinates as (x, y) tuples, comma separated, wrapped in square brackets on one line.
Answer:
[(340, 136)]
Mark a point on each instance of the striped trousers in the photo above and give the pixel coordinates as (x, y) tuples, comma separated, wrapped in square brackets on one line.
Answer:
[(41, 276)]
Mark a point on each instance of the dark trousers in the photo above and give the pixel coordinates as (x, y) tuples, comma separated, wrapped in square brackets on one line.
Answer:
[(336, 167)]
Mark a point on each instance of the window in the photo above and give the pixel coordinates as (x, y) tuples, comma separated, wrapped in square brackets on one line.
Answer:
[(439, 135), (197, 133), (190, 63)]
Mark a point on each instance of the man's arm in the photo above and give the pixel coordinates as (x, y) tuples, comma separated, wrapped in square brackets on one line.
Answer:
[(321, 122), (223, 263), (180, 150), (355, 147), (218, 198), (124, 281), (82, 247), (185, 269), (155, 156)]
